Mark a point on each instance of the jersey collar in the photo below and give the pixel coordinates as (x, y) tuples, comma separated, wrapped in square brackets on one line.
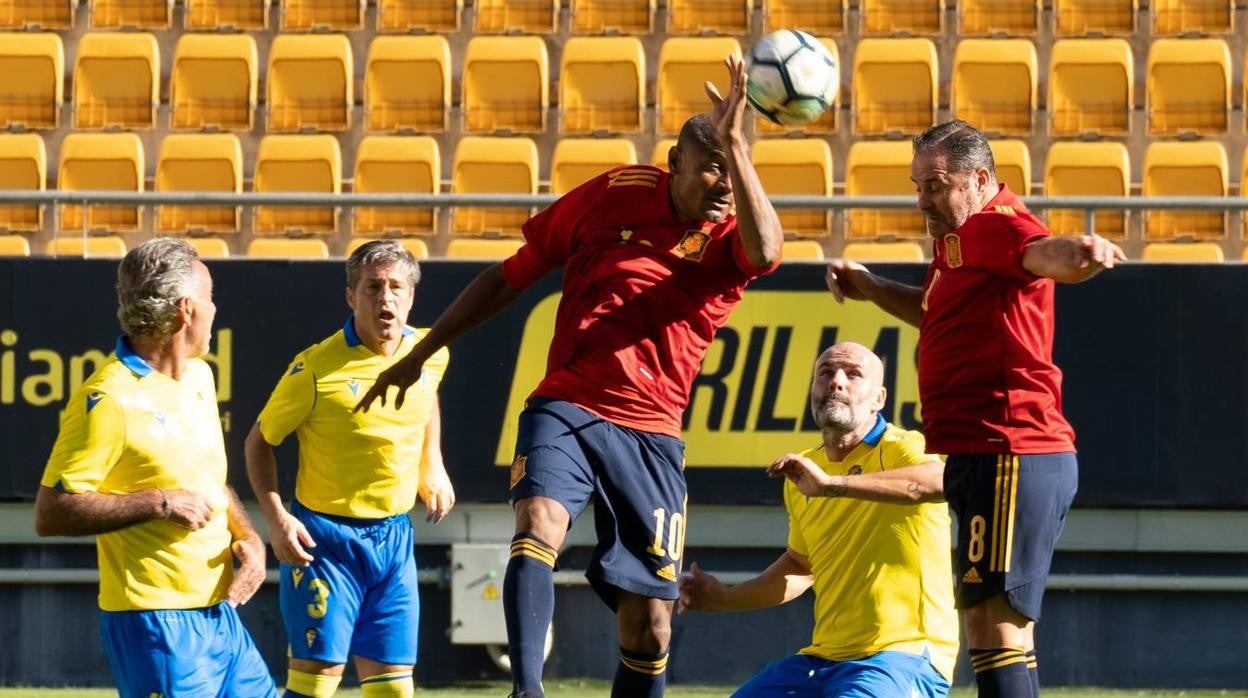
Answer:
[(137, 365), (877, 432), (353, 337)]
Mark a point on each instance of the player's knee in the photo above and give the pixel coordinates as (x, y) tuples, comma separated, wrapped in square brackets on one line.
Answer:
[(994, 623), (648, 633), (543, 518), (303, 684)]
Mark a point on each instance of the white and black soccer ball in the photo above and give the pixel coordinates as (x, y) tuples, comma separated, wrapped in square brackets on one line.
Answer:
[(793, 77)]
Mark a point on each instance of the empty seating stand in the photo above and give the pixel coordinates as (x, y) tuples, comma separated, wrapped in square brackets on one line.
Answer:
[(396, 164), (403, 16), (23, 165), (797, 167), (195, 162), (1099, 17), (699, 17), (895, 86), (309, 83), (214, 82), (994, 17), (894, 17), (515, 16), (125, 14), (995, 83), (1091, 87), (1189, 87), (116, 81), (488, 165), (685, 65), (612, 16), (881, 168), (1013, 161), (1087, 169), (311, 163), (33, 66), (815, 17), (226, 15), (308, 15), (602, 85), (506, 84), (407, 84), (101, 162), (38, 14), (1176, 17), (577, 160), (1185, 169)]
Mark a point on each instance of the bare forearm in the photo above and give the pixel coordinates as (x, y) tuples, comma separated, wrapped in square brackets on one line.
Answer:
[(431, 453), (786, 579), (902, 301), (481, 300), (262, 473), (1059, 259), (910, 485), (757, 222), (60, 513), (239, 523)]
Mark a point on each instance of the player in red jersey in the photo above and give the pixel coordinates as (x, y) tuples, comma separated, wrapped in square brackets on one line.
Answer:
[(991, 393), (654, 262)]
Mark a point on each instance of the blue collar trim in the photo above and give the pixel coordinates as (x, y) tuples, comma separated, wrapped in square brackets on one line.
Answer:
[(877, 432), (353, 337), (129, 359)]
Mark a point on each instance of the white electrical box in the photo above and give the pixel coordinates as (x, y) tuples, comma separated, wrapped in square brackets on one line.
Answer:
[(477, 571)]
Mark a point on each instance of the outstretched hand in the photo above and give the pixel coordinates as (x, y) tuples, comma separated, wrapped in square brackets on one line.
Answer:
[(1094, 249), (847, 279), (728, 113), (699, 591), (803, 472), (402, 375)]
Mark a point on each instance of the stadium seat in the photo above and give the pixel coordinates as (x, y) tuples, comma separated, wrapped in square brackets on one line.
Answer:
[(701, 17), (881, 168), (126, 14), (602, 85), (658, 156), (116, 81), (297, 164), (103, 246), (480, 248), (612, 16), (1013, 161), (992, 17), (685, 64), (995, 83), (34, 68), (1087, 169), (309, 15), (1091, 86), (397, 164), (802, 251), (1183, 253), (210, 248), (794, 166), (577, 160), (287, 248), (214, 82), (894, 86), (1185, 169), (407, 84), (1189, 87), (515, 16), (883, 252), (815, 17), (42, 14), (309, 83), (101, 162), (1243, 189), (14, 246), (506, 83), (217, 15), (419, 248), (403, 16), (1103, 17), (486, 165), (199, 162), (1175, 17), (23, 165), (824, 124), (893, 17)]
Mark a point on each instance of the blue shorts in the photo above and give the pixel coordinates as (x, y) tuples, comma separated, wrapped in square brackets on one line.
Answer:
[(882, 675), (1010, 512), (359, 595), (635, 479), (193, 652)]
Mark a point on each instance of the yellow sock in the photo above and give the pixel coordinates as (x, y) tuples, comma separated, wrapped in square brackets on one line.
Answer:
[(312, 685), (396, 684)]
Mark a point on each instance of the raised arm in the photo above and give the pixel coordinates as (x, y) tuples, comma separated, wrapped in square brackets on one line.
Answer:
[(852, 280), (784, 580), (1071, 260), (912, 484)]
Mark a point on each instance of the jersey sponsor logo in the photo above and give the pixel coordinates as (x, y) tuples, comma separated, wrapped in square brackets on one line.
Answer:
[(972, 577), (517, 470), (953, 251), (296, 368), (354, 386), (633, 176), (667, 572), (692, 245), (94, 399)]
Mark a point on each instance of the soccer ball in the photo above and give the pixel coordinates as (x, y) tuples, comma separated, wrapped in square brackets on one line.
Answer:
[(793, 78)]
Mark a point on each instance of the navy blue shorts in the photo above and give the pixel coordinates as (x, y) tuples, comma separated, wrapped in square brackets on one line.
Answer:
[(635, 479), (1010, 513)]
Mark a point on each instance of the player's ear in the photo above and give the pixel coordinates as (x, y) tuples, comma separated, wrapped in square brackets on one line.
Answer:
[(673, 159), (351, 298), (982, 177), (880, 398)]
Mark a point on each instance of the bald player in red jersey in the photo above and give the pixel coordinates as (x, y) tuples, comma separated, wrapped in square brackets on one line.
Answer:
[(654, 263), (991, 393)]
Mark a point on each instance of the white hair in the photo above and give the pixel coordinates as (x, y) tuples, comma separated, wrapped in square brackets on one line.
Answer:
[(151, 279)]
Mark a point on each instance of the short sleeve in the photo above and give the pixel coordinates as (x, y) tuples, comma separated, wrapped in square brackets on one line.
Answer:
[(434, 370), (291, 401), (908, 448), (550, 236), (1002, 241), (90, 442), (797, 543)]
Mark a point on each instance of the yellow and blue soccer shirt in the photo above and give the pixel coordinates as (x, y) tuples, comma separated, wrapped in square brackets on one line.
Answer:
[(364, 465), (131, 428), (883, 577)]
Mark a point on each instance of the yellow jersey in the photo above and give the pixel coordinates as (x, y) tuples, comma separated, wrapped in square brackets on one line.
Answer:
[(131, 428), (883, 576), (364, 465)]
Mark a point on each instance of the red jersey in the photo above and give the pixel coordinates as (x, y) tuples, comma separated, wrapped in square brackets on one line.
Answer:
[(986, 373), (643, 295)]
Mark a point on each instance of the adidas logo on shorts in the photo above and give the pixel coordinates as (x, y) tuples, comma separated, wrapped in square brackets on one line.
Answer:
[(972, 577)]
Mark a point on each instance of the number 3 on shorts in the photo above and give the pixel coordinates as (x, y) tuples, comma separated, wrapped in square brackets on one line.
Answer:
[(675, 530), (320, 598)]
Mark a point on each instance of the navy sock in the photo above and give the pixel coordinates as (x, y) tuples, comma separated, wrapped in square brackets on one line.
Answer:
[(529, 605), (640, 675), (1033, 669), (1001, 673)]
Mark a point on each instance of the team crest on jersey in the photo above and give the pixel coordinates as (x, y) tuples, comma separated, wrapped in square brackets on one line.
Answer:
[(517, 470), (856, 470), (953, 251), (309, 636), (692, 245)]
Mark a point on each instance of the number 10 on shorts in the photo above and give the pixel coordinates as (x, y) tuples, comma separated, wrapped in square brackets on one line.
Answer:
[(674, 528)]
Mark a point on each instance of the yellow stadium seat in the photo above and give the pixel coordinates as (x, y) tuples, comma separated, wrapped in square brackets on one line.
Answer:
[(1189, 86), (802, 251), (407, 84), (43, 14), (699, 17), (515, 16), (199, 162), (815, 17), (883, 252), (1185, 169), (226, 14), (506, 83), (419, 248), (894, 85), (992, 17), (425, 15), (576, 160), (795, 166), (210, 248), (612, 16), (214, 82), (104, 246), (1087, 169), (1013, 161), (1243, 189), (23, 165), (116, 81), (602, 85), (493, 166), (297, 164), (685, 65), (1091, 86), (307, 15), (101, 162), (33, 66), (1183, 253), (287, 248), (995, 83), (14, 246), (397, 164), (142, 14), (875, 168), (658, 156), (480, 248), (824, 124), (1103, 17), (891, 17), (1173, 17), (309, 83)]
